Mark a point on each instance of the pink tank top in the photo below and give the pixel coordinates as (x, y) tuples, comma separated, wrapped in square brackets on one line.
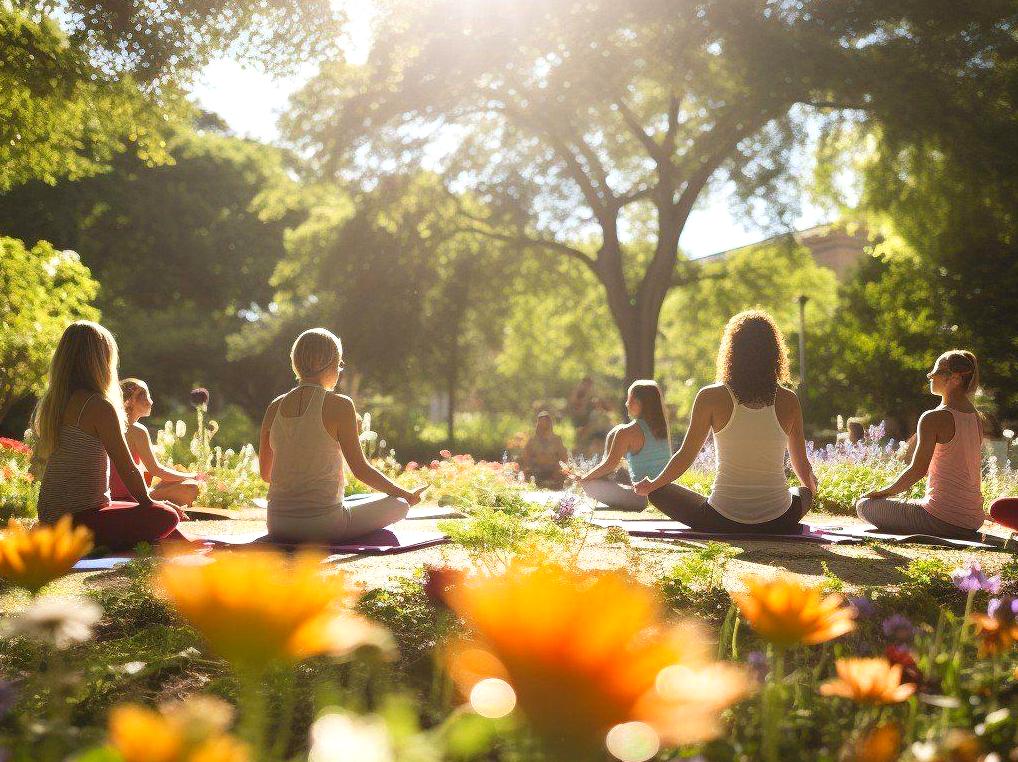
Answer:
[(954, 485)]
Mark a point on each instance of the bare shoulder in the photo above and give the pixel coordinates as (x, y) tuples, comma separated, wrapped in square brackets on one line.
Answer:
[(137, 432), (338, 406), (786, 399), (713, 393), (936, 421)]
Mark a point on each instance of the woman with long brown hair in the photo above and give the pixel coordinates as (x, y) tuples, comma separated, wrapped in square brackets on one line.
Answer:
[(643, 442), (947, 447), (755, 420)]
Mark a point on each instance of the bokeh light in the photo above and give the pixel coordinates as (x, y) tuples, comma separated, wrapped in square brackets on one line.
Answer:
[(493, 698), (633, 742)]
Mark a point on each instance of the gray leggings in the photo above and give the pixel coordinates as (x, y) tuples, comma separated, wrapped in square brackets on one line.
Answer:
[(360, 515), (893, 516), (614, 495), (693, 510)]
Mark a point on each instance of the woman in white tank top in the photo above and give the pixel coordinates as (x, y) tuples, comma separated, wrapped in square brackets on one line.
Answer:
[(305, 435), (755, 421)]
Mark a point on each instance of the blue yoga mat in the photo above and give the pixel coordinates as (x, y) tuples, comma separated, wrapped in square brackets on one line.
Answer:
[(99, 564)]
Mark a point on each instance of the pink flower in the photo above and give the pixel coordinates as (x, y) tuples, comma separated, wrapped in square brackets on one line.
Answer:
[(435, 464), (445, 453), (413, 465)]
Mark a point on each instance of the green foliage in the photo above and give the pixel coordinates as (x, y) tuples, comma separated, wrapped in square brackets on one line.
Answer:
[(41, 291), (702, 569)]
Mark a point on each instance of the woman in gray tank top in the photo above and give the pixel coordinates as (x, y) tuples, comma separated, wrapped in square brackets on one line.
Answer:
[(755, 421)]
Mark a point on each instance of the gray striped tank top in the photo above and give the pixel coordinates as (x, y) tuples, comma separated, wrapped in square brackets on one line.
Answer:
[(77, 475)]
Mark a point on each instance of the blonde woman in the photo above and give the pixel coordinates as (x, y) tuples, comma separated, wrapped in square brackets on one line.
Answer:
[(79, 426), (947, 448), (755, 420), (174, 486), (306, 435)]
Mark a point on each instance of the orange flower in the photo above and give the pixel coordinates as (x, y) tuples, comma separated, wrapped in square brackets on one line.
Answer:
[(996, 634), (882, 744), (33, 559), (176, 733), (868, 681), (256, 607), (786, 613), (585, 654)]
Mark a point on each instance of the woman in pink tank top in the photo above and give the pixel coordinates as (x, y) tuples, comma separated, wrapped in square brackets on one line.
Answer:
[(947, 451)]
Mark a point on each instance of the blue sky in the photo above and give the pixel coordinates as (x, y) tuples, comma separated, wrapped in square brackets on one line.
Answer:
[(251, 103)]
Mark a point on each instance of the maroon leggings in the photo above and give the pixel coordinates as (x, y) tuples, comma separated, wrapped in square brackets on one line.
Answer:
[(121, 526)]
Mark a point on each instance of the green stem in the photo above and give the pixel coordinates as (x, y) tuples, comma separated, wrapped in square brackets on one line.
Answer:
[(284, 728), (252, 712), (771, 699)]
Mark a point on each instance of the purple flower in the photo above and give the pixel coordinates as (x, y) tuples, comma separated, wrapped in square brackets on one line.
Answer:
[(898, 628), (200, 396), (757, 662), (1004, 609), (971, 579), (8, 696), (565, 509), (863, 606)]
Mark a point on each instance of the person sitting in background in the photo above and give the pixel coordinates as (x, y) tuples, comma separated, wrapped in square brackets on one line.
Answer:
[(580, 402), (174, 486), (643, 442), (306, 434), (947, 447), (755, 421), (79, 427), (591, 439), (543, 454)]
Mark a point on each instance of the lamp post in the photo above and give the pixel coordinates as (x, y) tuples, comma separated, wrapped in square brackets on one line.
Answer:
[(802, 339)]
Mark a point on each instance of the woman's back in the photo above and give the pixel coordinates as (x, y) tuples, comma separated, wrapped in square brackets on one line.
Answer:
[(77, 473), (650, 459), (750, 486), (954, 484), (307, 464)]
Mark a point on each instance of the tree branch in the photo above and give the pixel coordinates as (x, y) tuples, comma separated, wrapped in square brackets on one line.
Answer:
[(529, 242), (657, 153)]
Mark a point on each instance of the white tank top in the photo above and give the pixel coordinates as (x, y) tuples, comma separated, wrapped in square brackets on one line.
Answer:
[(307, 462), (750, 486)]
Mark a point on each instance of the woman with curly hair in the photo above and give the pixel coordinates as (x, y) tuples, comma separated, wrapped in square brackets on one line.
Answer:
[(755, 420)]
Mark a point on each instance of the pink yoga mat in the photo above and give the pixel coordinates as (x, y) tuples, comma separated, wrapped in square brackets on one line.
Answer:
[(674, 530), (381, 542)]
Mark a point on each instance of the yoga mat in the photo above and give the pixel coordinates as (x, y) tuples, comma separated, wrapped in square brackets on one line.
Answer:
[(865, 532), (99, 564), (674, 530), (381, 542)]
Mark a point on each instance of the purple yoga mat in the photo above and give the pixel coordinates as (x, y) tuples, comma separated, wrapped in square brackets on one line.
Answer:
[(674, 530), (863, 532), (380, 542)]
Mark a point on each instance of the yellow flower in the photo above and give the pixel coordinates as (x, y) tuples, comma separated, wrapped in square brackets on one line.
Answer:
[(868, 681), (255, 607), (786, 613), (33, 559), (584, 654), (176, 733)]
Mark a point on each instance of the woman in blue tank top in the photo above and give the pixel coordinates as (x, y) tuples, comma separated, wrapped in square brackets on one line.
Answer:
[(643, 442)]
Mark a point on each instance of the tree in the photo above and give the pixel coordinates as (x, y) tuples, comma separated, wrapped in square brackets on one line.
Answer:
[(571, 120), (83, 80), (41, 291), (183, 251)]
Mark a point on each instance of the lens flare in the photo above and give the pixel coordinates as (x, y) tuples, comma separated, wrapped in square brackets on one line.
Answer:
[(493, 698), (633, 742)]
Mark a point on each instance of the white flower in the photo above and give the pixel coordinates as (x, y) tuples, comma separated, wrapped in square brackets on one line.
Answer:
[(344, 736), (1008, 434), (366, 422), (368, 436), (56, 620), (181, 429)]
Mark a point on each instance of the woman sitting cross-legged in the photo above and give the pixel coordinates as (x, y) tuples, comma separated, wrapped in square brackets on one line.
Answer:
[(755, 421), (79, 425), (947, 448), (174, 486), (305, 436), (643, 442)]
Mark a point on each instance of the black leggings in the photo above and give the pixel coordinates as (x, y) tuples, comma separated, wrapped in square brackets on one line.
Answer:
[(692, 509)]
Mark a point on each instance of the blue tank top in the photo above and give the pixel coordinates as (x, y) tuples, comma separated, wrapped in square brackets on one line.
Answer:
[(652, 457)]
